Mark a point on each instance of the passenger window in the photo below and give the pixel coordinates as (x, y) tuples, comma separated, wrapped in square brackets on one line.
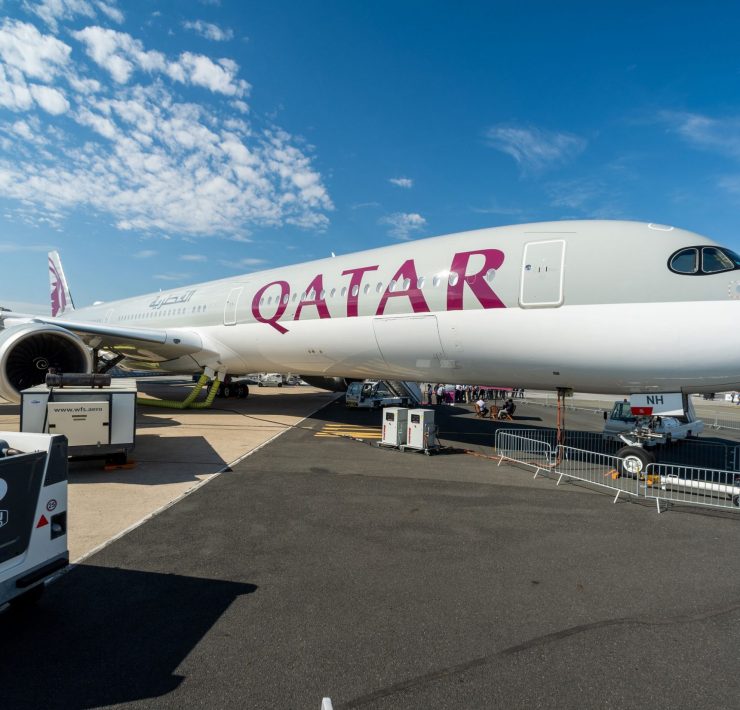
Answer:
[(685, 262), (713, 260), (420, 282)]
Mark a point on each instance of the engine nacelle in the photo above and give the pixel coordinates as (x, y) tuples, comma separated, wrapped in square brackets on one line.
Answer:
[(27, 352)]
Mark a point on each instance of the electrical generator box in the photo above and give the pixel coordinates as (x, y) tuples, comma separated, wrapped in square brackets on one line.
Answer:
[(421, 430), (394, 426), (96, 421), (33, 513)]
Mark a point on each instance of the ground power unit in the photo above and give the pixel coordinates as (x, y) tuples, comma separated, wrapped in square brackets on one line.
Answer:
[(98, 422), (394, 426), (422, 432), (33, 513)]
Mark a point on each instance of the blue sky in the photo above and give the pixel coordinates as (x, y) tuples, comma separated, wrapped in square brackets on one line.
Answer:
[(157, 144)]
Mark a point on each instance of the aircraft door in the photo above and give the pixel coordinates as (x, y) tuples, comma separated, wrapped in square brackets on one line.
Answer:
[(542, 274), (410, 344), (232, 300)]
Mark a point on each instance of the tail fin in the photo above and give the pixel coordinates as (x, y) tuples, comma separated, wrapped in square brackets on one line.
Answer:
[(61, 298)]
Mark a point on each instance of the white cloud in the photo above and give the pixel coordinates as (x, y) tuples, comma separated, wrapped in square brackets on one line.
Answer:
[(402, 182), (52, 11), (172, 277), (51, 100), (134, 149), (110, 10), (145, 254), (210, 31), (121, 55), (193, 257), (534, 149), (721, 135), (403, 224), (34, 55)]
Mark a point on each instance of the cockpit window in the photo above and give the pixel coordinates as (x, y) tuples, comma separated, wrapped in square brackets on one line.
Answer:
[(732, 255), (713, 260), (703, 260), (685, 261)]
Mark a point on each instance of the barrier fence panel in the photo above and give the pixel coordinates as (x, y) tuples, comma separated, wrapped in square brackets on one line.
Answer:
[(665, 481), (595, 468), (692, 485), (524, 448)]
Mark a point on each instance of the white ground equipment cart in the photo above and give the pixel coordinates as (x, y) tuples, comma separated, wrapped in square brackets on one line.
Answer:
[(33, 513), (422, 432), (95, 413), (395, 420)]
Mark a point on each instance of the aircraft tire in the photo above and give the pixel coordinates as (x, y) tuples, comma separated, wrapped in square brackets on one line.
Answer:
[(242, 391), (227, 391), (633, 461)]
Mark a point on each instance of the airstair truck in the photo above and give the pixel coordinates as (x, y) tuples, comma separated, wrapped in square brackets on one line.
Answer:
[(372, 394), (33, 513)]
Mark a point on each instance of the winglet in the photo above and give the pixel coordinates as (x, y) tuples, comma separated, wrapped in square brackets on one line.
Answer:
[(61, 298)]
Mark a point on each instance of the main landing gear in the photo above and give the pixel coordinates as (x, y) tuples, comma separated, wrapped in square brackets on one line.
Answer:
[(229, 389)]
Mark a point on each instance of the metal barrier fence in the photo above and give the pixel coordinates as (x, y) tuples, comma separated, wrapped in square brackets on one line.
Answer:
[(673, 483), (689, 452), (691, 485), (525, 449)]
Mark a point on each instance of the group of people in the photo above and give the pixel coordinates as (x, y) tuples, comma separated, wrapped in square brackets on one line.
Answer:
[(438, 394), (506, 410)]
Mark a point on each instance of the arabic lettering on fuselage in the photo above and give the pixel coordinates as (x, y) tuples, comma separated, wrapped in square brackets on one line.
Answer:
[(171, 299), (406, 276)]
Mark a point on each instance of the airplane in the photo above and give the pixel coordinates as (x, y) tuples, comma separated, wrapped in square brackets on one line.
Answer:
[(611, 307)]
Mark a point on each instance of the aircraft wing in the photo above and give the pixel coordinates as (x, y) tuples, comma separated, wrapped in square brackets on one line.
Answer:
[(144, 344)]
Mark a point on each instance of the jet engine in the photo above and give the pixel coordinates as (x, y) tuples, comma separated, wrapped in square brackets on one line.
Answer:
[(27, 352)]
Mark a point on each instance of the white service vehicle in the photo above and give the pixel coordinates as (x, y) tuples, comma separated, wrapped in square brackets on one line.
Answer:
[(647, 421), (33, 513), (372, 394), (271, 379), (656, 429)]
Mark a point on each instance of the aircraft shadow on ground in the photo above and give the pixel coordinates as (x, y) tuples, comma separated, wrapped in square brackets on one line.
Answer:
[(156, 461), (103, 636)]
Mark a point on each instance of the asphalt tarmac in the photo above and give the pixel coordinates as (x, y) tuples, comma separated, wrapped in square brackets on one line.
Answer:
[(325, 566)]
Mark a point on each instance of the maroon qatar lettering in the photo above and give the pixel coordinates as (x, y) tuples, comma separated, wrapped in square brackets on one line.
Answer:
[(316, 287), (282, 305), (492, 259), (475, 280), (353, 290), (413, 292)]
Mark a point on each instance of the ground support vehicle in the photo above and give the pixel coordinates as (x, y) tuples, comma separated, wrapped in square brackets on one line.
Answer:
[(372, 394), (33, 513), (643, 428)]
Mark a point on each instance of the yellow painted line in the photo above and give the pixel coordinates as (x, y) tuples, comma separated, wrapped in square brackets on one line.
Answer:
[(347, 433), (356, 435), (347, 426)]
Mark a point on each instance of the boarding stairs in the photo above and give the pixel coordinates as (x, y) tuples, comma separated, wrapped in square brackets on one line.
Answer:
[(407, 390)]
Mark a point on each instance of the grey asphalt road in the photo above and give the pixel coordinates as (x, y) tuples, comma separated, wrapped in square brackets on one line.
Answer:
[(329, 567)]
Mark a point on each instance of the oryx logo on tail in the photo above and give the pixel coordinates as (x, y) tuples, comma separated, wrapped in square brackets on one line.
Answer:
[(61, 299)]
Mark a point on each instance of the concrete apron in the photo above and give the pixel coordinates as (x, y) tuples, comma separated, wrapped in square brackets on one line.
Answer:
[(176, 451)]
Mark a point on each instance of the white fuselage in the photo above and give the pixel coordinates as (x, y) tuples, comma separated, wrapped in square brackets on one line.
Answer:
[(590, 306)]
